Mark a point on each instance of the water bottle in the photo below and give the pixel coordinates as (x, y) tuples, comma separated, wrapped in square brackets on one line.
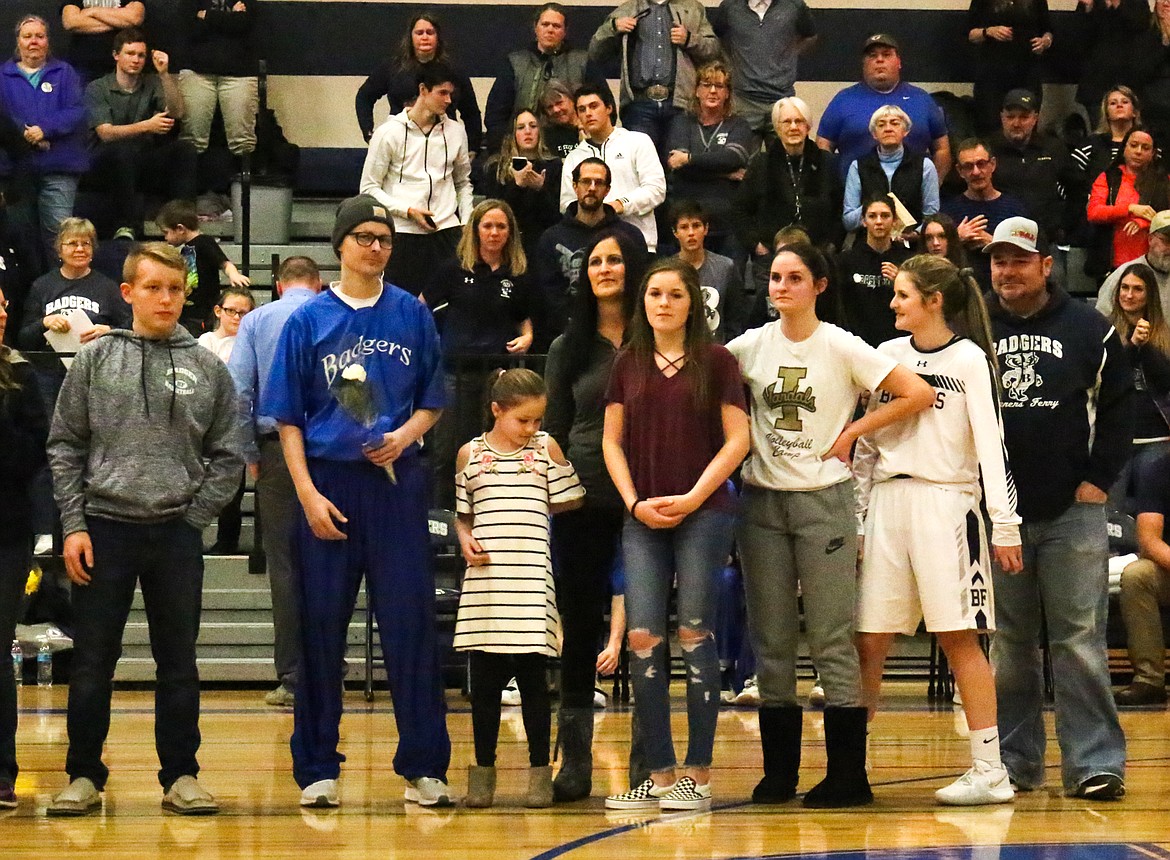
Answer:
[(17, 662), (44, 665)]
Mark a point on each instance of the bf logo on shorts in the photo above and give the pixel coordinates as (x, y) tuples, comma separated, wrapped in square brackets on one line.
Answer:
[(789, 399)]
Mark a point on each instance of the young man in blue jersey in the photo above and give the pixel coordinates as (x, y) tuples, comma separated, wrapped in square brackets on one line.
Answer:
[(357, 519)]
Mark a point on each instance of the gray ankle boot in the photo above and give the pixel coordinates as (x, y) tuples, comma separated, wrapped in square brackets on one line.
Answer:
[(540, 788), (575, 741), (481, 786)]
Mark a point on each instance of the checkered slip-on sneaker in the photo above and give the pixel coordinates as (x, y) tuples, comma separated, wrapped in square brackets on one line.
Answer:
[(644, 796), (686, 794)]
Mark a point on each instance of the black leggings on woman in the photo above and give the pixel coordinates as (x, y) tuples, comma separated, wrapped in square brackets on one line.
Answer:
[(585, 546), (489, 673)]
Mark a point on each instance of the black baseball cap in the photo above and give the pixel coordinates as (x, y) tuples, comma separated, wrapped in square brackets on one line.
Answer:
[(1021, 99), (884, 40)]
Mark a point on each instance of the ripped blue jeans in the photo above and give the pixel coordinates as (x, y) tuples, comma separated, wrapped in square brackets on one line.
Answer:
[(691, 554)]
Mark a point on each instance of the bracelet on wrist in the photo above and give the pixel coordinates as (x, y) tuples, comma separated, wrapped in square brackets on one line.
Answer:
[(634, 507)]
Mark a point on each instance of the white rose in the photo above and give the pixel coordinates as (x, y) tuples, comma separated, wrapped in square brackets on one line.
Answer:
[(354, 372)]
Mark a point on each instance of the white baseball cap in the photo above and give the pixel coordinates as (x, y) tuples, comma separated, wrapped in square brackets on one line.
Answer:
[(1018, 232)]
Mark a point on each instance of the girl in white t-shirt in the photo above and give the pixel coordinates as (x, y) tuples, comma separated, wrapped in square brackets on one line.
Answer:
[(797, 530), (233, 305), (919, 492)]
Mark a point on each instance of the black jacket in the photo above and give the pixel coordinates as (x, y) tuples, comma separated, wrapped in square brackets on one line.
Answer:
[(23, 431), (768, 197), (220, 42), (398, 85)]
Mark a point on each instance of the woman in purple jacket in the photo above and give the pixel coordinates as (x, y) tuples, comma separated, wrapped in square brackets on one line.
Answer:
[(43, 96)]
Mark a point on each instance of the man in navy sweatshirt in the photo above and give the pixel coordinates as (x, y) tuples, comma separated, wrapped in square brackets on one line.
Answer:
[(1068, 425)]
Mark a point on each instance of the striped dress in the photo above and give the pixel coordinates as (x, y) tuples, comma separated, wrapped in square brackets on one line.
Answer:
[(509, 606)]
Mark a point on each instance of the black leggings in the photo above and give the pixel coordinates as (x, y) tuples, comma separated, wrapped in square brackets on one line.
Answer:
[(489, 673), (586, 543)]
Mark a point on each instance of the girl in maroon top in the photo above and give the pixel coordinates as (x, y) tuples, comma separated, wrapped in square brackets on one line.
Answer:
[(676, 427)]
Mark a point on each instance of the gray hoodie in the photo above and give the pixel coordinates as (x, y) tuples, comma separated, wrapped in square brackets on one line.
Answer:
[(144, 432)]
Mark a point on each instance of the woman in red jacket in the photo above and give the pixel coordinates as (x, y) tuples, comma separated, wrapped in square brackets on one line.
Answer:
[(1128, 194)]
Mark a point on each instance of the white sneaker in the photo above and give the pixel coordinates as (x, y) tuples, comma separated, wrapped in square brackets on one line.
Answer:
[(726, 697), (600, 700), (511, 694), (322, 794), (981, 785), (686, 794), (749, 696), (644, 796), (428, 791), (816, 696)]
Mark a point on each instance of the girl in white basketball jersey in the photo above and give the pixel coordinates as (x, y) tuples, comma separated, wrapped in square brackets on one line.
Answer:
[(925, 551)]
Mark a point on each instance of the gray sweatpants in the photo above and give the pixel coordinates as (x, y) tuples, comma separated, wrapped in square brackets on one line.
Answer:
[(808, 538)]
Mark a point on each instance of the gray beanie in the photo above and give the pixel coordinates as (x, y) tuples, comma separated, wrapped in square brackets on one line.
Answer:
[(358, 210)]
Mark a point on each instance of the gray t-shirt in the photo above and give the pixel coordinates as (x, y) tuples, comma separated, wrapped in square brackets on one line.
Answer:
[(717, 279)]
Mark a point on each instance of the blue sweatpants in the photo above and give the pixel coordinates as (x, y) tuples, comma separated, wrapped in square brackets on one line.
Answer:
[(388, 543)]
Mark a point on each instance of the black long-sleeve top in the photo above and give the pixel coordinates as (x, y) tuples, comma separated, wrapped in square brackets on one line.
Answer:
[(399, 86)]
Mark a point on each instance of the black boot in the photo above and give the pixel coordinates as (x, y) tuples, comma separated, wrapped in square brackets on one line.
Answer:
[(846, 783), (575, 740), (780, 730)]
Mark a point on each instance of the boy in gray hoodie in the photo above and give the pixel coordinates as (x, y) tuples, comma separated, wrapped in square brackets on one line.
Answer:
[(144, 454)]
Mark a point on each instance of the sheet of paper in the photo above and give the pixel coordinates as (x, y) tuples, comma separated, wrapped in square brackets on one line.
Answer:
[(70, 341)]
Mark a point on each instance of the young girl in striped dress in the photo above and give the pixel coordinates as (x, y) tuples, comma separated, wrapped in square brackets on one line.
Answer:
[(507, 482)]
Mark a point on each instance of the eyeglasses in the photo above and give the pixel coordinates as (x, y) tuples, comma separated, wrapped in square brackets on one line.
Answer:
[(968, 166), (232, 312), (711, 85), (590, 183), (77, 243), (386, 243)]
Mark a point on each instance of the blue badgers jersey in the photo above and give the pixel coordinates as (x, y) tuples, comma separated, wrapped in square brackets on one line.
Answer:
[(394, 341)]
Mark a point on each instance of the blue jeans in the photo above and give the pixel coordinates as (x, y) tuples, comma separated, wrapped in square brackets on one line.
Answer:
[(737, 661), (47, 201), (166, 560), (652, 118), (1064, 581), (694, 552)]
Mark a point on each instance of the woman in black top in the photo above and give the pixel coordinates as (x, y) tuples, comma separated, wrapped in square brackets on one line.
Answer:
[(395, 79), (1140, 321), (1010, 37), (585, 541), (559, 115), (23, 430), (1121, 111), (793, 184), (867, 272), (482, 306), (532, 191)]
